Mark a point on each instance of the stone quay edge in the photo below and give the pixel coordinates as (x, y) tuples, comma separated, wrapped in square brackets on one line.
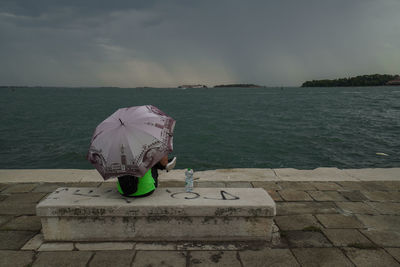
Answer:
[(322, 174)]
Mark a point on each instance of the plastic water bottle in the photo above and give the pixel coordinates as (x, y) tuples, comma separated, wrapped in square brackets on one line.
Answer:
[(189, 180)]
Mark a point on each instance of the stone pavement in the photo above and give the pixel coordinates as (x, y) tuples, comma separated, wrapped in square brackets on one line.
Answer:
[(327, 217)]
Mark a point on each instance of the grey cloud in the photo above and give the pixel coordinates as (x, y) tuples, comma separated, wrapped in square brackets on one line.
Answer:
[(156, 43), (39, 7)]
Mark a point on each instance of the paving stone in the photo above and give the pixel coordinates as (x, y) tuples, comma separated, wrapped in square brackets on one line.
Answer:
[(268, 257), (57, 246), (5, 219), (24, 198), (386, 208), (62, 258), (353, 195), (382, 196), (155, 246), (376, 186), (304, 239), (14, 239), (297, 185), (296, 222), (3, 186), (380, 222), (238, 185), (15, 258), (383, 238), (214, 258), (160, 258), (293, 208), (339, 221), (351, 185), (267, 185), (274, 195), (105, 246), (356, 208), (326, 196), (391, 185), (29, 223), (370, 257), (19, 188), (345, 237), (295, 195), (321, 257), (112, 258), (17, 208), (327, 186), (34, 243), (211, 246), (395, 252)]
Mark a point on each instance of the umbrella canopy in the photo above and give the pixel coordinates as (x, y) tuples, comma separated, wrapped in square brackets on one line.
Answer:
[(131, 141)]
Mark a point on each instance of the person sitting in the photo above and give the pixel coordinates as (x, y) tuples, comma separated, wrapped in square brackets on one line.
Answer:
[(132, 186)]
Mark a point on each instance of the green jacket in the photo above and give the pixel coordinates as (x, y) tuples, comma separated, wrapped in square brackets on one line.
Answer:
[(145, 185)]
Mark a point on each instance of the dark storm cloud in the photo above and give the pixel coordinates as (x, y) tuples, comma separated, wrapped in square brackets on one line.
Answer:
[(156, 43)]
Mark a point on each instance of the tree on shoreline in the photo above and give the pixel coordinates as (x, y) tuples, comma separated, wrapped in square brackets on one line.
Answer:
[(363, 80)]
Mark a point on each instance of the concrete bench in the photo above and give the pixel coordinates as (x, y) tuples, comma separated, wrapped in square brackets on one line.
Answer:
[(169, 214)]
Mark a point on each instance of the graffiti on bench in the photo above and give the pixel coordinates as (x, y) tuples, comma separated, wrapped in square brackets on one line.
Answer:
[(193, 195), (110, 194)]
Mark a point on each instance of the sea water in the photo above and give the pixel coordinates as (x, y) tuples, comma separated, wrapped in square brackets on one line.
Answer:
[(216, 128)]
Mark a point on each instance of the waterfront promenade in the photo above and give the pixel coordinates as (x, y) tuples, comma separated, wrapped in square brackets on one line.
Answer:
[(325, 217)]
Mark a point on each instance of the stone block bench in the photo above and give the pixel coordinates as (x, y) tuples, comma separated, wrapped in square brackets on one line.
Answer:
[(169, 214)]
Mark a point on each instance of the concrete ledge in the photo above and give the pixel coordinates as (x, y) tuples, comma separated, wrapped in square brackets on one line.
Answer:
[(49, 175), (223, 175), (318, 174), (387, 174), (169, 214)]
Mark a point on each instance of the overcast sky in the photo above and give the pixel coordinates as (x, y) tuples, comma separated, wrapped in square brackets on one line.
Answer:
[(169, 43)]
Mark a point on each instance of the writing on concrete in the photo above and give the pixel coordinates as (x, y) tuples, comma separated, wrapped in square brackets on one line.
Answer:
[(193, 195), (112, 194)]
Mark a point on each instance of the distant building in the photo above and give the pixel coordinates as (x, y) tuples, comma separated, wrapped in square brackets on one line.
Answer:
[(192, 86), (394, 82)]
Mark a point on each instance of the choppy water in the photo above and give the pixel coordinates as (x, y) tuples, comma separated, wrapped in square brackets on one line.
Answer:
[(216, 128)]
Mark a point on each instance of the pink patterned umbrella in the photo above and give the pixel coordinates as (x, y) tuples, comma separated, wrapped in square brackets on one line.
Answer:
[(131, 141)]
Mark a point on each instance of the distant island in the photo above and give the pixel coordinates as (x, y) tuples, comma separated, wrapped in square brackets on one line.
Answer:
[(245, 85), (363, 80), (192, 86), (239, 85)]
